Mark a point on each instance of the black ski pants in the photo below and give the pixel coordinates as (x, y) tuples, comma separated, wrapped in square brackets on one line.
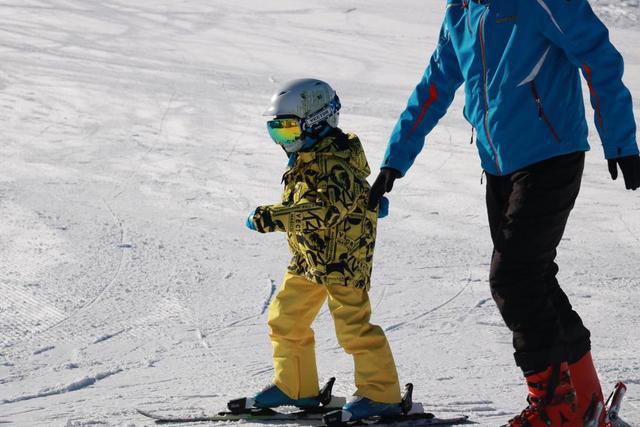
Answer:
[(528, 212)]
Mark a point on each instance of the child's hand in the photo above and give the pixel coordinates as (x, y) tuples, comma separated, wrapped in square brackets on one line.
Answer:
[(251, 225), (383, 207)]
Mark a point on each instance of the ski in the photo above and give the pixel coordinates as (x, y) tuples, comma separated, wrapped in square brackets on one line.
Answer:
[(255, 415), (327, 414), (307, 418)]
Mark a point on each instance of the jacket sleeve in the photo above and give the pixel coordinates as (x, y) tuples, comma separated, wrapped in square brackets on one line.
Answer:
[(574, 27), (427, 104), (335, 197)]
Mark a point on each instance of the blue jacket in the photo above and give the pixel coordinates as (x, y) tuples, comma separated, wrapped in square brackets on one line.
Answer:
[(521, 62)]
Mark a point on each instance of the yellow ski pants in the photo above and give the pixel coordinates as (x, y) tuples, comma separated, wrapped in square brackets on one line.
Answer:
[(290, 317)]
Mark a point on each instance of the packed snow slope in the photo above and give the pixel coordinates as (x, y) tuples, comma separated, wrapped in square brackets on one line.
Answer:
[(132, 150)]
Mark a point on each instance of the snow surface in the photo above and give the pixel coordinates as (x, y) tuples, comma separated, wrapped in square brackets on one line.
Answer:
[(133, 147)]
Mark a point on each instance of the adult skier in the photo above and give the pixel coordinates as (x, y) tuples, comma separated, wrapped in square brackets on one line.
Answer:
[(331, 235), (520, 61)]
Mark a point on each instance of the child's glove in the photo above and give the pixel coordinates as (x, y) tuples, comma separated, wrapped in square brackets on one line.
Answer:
[(383, 207), (251, 225)]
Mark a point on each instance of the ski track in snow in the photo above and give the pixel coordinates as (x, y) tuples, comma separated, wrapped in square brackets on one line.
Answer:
[(267, 301), (106, 286), (74, 386), (431, 310), (106, 337), (43, 349), (134, 147)]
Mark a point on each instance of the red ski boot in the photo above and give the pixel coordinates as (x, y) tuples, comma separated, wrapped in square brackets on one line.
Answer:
[(590, 399), (552, 400)]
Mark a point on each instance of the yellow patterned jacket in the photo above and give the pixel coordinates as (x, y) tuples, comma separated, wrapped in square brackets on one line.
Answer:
[(323, 211)]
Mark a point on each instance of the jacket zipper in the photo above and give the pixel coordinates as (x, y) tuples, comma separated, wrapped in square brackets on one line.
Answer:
[(484, 85), (541, 114)]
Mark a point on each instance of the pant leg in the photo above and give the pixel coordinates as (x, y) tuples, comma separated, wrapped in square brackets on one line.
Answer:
[(291, 314), (528, 212), (577, 336), (375, 370), (497, 196)]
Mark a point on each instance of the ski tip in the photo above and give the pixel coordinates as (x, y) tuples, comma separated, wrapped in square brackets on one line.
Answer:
[(462, 419), (146, 413)]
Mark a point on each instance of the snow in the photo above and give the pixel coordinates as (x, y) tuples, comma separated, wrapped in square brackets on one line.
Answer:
[(622, 13), (73, 386), (134, 147)]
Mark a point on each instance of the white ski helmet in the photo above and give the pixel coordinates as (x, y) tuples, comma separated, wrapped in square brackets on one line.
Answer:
[(312, 102)]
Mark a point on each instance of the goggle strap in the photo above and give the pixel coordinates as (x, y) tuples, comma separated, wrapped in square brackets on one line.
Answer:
[(322, 114)]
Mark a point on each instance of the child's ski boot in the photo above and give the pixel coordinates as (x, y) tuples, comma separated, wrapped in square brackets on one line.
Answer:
[(272, 397), (362, 408)]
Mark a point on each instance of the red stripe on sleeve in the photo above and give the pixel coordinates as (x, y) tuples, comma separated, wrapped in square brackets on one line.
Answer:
[(594, 94), (433, 95)]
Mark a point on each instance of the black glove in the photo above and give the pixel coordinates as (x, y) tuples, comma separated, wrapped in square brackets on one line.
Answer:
[(630, 167), (383, 184)]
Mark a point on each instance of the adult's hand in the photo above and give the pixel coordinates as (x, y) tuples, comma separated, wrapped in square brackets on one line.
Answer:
[(630, 167), (382, 184)]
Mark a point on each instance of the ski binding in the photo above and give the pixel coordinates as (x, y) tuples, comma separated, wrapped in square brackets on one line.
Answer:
[(412, 413), (614, 402)]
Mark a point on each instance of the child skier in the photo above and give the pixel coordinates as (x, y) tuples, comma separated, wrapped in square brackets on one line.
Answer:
[(331, 235)]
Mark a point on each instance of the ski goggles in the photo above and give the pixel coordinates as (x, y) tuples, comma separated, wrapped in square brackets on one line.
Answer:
[(284, 131)]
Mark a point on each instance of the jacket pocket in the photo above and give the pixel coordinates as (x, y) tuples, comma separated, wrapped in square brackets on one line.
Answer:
[(541, 113)]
